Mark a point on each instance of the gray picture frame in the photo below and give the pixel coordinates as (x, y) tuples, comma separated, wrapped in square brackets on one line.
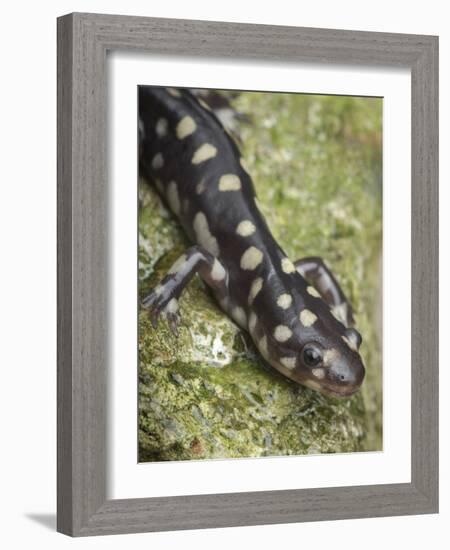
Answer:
[(83, 42)]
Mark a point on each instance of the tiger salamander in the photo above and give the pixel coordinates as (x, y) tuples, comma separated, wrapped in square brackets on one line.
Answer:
[(295, 311)]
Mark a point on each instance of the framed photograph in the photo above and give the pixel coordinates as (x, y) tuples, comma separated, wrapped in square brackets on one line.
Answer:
[(247, 274)]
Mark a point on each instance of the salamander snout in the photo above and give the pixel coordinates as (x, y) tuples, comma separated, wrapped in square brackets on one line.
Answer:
[(344, 376)]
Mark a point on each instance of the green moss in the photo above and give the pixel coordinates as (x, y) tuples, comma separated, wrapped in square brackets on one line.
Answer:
[(316, 165)]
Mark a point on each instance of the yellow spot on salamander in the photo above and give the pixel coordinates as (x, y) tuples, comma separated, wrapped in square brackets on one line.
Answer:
[(340, 313), (255, 289), (185, 127), (329, 357), (203, 234), (284, 301), (161, 127), (287, 266), (251, 258), (173, 198), (203, 153), (318, 373), (157, 161), (252, 322), (218, 273), (307, 317), (245, 228), (313, 292), (229, 182), (282, 333), (288, 362), (239, 316), (350, 343)]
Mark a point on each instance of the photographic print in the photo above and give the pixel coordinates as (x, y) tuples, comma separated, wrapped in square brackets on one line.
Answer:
[(258, 219), (260, 274)]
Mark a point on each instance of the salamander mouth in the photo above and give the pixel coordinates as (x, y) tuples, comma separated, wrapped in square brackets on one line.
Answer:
[(341, 393)]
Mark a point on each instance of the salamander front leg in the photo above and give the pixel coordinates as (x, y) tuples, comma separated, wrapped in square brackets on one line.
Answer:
[(321, 277), (163, 299)]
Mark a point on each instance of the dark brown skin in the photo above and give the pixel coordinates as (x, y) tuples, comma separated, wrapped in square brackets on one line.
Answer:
[(296, 313)]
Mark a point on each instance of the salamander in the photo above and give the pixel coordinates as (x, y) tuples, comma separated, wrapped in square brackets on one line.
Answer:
[(295, 311)]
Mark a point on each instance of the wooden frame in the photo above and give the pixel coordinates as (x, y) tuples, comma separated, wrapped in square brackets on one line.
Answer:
[(83, 40)]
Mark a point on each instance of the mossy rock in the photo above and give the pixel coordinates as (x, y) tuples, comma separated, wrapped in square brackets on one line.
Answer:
[(316, 165)]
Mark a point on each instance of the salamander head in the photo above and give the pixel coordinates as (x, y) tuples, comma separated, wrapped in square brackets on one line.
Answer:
[(330, 365), (313, 348)]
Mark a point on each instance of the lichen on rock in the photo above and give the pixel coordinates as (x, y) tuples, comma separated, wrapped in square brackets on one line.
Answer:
[(316, 166)]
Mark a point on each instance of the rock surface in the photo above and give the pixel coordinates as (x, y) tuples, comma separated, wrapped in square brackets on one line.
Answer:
[(316, 165)]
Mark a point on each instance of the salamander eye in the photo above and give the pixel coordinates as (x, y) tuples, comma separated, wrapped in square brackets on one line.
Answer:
[(312, 355)]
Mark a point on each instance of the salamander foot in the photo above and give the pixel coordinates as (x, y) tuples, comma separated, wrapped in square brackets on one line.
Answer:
[(163, 299), (160, 303)]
